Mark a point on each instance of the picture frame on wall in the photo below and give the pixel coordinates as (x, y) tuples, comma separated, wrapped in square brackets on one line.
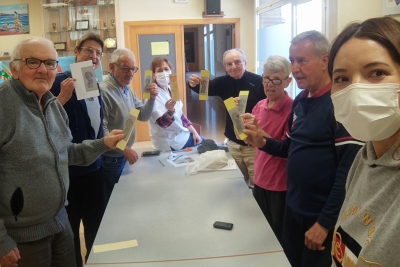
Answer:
[(14, 19), (81, 25), (60, 46), (390, 7)]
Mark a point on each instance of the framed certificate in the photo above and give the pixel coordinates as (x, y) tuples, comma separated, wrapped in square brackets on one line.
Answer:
[(60, 46), (81, 25)]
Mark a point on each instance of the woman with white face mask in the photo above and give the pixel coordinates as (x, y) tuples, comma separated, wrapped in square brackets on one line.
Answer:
[(364, 64), (170, 129)]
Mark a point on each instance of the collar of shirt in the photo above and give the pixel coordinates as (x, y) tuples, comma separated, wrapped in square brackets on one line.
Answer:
[(124, 89)]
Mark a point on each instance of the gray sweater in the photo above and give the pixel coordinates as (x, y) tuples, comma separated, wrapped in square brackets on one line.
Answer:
[(35, 150), (116, 107), (368, 228)]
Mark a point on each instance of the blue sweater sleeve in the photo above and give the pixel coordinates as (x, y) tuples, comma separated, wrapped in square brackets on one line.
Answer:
[(346, 150), (276, 148)]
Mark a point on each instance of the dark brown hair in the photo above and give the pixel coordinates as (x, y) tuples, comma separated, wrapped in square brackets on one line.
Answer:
[(157, 62), (90, 36), (383, 30)]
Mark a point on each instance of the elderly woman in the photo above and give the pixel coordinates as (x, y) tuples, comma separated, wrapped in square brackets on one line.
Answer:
[(169, 127), (272, 115), (364, 64)]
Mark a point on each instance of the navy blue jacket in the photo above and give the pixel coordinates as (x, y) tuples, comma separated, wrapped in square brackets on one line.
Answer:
[(226, 87), (319, 155), (79, 124)]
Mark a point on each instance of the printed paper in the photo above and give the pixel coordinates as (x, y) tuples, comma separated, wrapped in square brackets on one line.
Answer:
[(173, 83), (243, 95), (129, 125), (234, 113), (86, 82), (205, 79), (148, 74)]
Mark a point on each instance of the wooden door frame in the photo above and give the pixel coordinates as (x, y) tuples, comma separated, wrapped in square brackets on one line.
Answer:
[(131, 42)]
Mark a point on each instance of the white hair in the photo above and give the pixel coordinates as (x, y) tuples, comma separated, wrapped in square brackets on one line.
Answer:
[(276, 64), (120, 52), (321, 44), (16, 53), (233, 50)]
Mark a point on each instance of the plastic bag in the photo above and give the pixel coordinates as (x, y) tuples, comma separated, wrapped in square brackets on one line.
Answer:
[(208, 161)]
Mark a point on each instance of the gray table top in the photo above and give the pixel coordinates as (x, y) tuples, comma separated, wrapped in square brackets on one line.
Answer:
[(171, 216)]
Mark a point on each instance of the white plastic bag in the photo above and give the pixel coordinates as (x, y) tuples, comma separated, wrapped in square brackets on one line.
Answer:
[(208, 161)]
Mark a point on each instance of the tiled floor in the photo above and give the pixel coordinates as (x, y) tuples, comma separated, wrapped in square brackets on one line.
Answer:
[(209, 114)]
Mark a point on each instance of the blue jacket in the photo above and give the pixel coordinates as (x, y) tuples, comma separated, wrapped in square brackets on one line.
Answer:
[(319, 155), (79, 124)]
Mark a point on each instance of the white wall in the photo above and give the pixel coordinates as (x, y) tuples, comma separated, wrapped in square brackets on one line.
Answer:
[(356, 10), (138, 10)]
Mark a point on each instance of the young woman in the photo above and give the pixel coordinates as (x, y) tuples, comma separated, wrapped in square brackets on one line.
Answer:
[(169, 127), (364, 64)]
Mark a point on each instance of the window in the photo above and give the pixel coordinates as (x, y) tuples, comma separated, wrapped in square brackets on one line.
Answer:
[(278, 23)]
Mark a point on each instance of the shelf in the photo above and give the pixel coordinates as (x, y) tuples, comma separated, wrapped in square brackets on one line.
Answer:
[(57, 6), (58, 32)]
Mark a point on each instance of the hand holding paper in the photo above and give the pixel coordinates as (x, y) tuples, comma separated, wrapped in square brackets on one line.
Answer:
[(235, 117)]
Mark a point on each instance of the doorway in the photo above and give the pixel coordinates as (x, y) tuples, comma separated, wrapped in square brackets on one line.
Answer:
[(176, 28)]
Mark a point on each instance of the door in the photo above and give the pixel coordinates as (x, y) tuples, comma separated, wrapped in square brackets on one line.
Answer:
[(191, 49), (140, 41)]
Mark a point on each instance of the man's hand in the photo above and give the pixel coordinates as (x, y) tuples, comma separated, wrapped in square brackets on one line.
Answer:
[(194, 80), (170, 105), (66, 88), (153, 90), (130, 155), (315, 236), (254, 133), (236, 100), (111, 139), (10, 259)]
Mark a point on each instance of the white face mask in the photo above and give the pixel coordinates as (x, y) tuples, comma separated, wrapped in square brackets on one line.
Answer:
[(162, 78), (369, 112)]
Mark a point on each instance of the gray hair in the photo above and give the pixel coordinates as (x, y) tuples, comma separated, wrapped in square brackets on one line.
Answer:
[(321, 44), (120, 52), (232, 50), (276, 64), (16, 53)]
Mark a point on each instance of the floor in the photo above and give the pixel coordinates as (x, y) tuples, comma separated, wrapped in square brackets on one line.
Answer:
[(209, 114)]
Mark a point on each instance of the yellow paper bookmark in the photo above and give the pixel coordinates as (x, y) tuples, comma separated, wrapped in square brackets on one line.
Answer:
[(129, 125), (115, 246), (205, 79)]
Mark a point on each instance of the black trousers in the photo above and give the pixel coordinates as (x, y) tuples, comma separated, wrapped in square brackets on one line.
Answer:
[(86, 203), (272, 204), (294, 228)]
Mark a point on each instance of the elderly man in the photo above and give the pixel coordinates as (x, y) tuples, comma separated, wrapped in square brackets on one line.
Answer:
[(34, 229), (118, 99), (237, 79), (86, 194), (319, 154)]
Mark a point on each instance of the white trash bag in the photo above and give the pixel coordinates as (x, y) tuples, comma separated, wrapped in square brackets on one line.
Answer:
[(208, 161)]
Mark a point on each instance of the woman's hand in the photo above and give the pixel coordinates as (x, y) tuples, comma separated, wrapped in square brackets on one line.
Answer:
[(170, 105)]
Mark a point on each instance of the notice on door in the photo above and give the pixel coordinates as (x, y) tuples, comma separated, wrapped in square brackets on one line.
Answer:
[(159, 48)]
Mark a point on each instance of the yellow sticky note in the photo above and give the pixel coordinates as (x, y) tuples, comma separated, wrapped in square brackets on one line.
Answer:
[(148, 74), (234, 113), (115, 246), (173, 83), (129, 125), (205, 79)]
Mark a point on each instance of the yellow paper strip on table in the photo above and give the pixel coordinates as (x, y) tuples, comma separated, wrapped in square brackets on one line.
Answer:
[(235, 117), (173, 83), (129, 125), (205, 79), (115, 246), (147, 80), (243, 95)]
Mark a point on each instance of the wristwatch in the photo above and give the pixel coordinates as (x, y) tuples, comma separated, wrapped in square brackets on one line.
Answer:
[(170, 113)]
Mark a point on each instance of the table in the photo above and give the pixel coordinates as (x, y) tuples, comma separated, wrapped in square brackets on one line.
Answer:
[(171, 216)]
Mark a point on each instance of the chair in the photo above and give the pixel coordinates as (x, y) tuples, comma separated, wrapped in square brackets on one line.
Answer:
[(197, 127)]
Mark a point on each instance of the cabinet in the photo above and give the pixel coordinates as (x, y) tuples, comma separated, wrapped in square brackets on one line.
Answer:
[(66, 21)]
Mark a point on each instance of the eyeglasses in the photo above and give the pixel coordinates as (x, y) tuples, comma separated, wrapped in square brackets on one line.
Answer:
[(126, 70), (274, 81), (34, 63), (88, 51)]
